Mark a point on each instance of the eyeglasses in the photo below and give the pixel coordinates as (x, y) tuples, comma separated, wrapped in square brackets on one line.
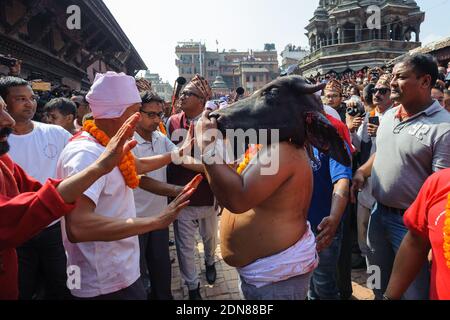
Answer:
[(189, 94), (382, 91), (153, 114), (333, 96)]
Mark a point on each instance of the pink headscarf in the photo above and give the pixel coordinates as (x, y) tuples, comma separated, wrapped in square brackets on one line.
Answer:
[(111, 95)]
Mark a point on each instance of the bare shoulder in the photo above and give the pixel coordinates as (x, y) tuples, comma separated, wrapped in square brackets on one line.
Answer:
[(290, 152), (283, 157), (285, 148)]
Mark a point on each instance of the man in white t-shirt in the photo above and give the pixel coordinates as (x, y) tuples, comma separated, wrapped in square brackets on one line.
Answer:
[(36, 148), (62, 112), (100, 234)]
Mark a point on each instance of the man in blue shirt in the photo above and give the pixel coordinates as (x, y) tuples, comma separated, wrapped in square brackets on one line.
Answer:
[(328, 204)]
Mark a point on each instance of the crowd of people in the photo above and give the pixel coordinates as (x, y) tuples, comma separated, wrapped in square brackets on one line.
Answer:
[(90, 181)]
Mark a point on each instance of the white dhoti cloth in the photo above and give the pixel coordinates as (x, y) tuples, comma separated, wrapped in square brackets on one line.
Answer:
[(299, 259)]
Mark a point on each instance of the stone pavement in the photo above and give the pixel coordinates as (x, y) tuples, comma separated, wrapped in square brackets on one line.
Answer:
[(226, 286)]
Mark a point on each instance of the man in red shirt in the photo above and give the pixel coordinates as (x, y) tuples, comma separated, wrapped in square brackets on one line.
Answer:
[(425, 220), (27, 207)]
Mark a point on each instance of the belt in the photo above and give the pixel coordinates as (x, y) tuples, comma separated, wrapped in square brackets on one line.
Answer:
[(400, 212)]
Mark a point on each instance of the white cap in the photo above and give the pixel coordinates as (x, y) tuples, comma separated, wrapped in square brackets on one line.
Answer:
[(112, 94)]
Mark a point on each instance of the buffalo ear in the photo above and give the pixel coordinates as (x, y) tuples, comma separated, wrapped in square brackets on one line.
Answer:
[(323, 135)]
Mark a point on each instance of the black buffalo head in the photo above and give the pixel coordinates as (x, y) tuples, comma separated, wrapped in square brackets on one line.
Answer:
[(289, 105)]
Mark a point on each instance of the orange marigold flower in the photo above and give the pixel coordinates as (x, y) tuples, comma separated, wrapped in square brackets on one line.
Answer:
[(249, 155), (127, 166)]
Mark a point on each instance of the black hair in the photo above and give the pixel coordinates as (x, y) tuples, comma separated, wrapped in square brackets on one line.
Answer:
[(358, 92), (438, 87), (368, 94), (63, 105), (79, 96), (149, 97), (423, 64), (9, 82)]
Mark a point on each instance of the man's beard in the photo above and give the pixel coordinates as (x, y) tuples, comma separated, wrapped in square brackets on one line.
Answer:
[(4, 146)]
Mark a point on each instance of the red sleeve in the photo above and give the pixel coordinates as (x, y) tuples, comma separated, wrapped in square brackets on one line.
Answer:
[(343, 131), (416, 217), (25, 183), (25, 215)]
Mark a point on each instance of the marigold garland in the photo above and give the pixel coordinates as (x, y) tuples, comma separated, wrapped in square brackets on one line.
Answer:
[(249, 155), (127, 166), (162, 129), (447, 233)]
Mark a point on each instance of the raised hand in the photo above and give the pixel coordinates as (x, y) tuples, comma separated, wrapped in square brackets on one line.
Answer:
[(205, 131), (119, 145), (181, 201), (372, 130), (353, 123), (188, 143), (194, 183)]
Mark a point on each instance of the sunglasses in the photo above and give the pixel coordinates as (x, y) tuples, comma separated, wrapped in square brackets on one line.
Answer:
[(189, 94), (153, 114), (382, 91)]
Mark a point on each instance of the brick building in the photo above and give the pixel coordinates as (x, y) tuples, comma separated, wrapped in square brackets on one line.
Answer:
[(250, 70)]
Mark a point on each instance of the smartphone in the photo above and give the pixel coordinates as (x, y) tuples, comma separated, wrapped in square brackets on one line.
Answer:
[(374, 120)]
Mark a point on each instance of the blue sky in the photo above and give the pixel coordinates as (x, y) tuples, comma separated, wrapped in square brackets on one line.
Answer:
[(155, 26)]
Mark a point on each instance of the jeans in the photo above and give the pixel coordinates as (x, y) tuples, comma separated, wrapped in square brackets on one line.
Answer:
[(323, 285), (43, 262), (344, 264), (156, 269), (385, 235), (295, 288)]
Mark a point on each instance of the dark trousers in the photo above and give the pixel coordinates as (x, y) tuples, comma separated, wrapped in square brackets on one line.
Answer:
[(323, 284), (42, 267), (134, 292), (344, 269), (156, 267)]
